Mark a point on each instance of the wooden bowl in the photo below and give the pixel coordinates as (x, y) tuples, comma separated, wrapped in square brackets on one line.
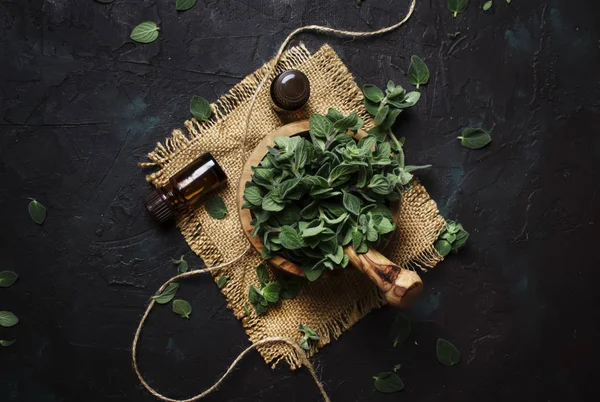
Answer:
[(401, 286)]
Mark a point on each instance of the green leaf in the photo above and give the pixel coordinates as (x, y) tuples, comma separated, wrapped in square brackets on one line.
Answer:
[(385, 226), (447, 353), (313, 230), (287, 186), (388, 382), (488, 4), (474, 138), (320, 126), (200, 108), (357, 239), (37, 212), (507, 1), (8, 319), (351, 203), (334, 115), (182, 5), (418, 73), (290, 239), (271, 203), (313, 274), (457, 6), (216, 207), (260, 309), (145, 32), (271, 292), (373, 93), (8, 343), (7, 278), (400, 329), (391, 117), (182, 264), (338, 256), (347, 122), (254, 294), (166, 295), (222, 281), (262, 273), (411, 99), (182, 307), (443, 247), (381, 114), (253, 194), (461, 239), (246, 309), (371, 107)]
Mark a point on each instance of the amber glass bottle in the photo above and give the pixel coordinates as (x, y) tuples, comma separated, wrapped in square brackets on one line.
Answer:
[(290, 91), (190, 185)]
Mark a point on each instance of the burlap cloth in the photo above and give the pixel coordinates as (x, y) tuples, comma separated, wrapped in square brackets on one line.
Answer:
[(330, 305)]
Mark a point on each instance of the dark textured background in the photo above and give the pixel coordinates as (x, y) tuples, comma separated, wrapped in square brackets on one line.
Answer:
[(82, 104)]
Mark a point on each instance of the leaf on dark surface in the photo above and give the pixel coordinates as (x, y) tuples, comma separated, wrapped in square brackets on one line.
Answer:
[(145, 32), (37, 212), (7, 278), (447, 354), (388, 382), (182, 308)]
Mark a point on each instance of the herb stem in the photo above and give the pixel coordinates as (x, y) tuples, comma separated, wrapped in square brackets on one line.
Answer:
[(455, 14)]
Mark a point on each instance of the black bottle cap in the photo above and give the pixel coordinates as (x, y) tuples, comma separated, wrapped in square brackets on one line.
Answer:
[(158, 206), (290, 90)]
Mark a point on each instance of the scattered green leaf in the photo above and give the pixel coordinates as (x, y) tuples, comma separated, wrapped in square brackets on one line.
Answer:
[(200, 108), (145, 32), (488, 4), (222, 281), (8, 319), (7, 278), (418, 73), (182, 264), (447, 353), (457, 6), (263, 274), (474, 138), (7, 343), (246, 309), (182, 5), (216, 207), (182, 307), (37, 211), (388, 382), (166, 295), (308, 335)]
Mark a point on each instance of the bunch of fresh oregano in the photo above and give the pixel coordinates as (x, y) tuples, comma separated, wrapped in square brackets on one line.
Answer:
[(310, 197), (270, 292)]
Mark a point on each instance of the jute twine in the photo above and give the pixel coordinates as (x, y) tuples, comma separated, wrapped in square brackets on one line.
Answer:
[(350, 295)]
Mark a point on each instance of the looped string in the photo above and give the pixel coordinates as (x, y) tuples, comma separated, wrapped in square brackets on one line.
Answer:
[(291, 343)]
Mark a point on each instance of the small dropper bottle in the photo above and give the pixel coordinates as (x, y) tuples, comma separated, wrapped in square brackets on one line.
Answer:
[(290, 91), (187, 187)]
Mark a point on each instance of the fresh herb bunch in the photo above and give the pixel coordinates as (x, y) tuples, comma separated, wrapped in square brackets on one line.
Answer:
[(311, 197), (452, 238), (308, 334), (270, 292)]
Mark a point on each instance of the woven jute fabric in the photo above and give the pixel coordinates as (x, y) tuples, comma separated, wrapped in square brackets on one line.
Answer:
[(329, 305)]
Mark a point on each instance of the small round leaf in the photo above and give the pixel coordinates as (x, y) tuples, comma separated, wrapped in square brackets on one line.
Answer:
[(8, 319), (443, 247), (182, 5), (182, 307), (388, 382), (216, 207), (145, 32), (200, 108), (447, 353), (37, 212), (7, 278)]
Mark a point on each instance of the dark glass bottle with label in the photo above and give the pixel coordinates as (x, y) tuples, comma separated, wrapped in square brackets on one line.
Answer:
[(187, 187), (290, 91)]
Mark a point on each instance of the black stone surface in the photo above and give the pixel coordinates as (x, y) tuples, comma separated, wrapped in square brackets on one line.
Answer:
[(82, 104)]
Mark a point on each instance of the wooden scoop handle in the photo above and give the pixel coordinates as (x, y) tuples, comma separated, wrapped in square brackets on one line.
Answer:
[(400, 286)]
